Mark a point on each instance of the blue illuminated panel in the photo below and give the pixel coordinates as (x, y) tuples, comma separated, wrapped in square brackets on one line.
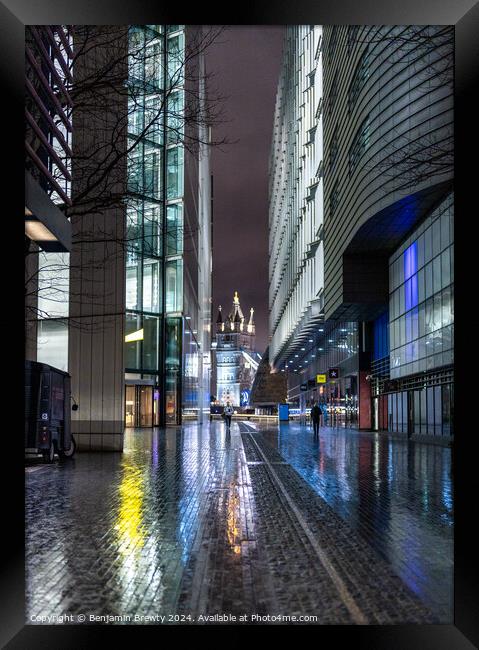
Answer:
[(411, 296)]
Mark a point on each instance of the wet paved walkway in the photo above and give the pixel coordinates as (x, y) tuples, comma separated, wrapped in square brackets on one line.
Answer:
[(191, 521)]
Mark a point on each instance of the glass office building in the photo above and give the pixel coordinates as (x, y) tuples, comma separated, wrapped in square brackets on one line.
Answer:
[(164, 327)]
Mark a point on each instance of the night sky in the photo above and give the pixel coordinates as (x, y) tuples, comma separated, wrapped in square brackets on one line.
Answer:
[(246, 64)]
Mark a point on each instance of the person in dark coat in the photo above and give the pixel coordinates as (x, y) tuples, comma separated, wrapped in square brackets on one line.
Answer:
[(315, 417), (228, 412)]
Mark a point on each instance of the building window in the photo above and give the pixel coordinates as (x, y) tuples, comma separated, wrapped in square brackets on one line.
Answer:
[(153, 69), (52, 343), (360, 144), (333, 94), (334, 199), (174, 229), (333, 41), (150, 343), (319, 47), (150, 174), (176, 60), (361, 75), (311, 134), (353, 32), (421, 301), (175, 117), (320, 171), (319, 109), (333, 150), (174, 187), (151, 230), (174, 285)]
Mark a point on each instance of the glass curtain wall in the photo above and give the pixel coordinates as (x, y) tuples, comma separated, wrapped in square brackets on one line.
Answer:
[(421, 326), (174, 195), (155, 202), (144, 201), (421, 303)]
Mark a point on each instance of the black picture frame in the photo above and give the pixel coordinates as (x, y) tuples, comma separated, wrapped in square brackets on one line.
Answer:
[(464, 14)]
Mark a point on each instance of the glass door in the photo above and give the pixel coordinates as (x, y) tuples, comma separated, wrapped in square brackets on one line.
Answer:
[(141, 406), (146, 405), (130, 406)]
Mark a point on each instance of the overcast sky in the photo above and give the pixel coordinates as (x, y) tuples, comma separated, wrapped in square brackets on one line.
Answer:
[(246, 64)]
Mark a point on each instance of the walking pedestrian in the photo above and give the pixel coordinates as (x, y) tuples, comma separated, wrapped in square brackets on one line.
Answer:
[(315, 416), (228, 412)]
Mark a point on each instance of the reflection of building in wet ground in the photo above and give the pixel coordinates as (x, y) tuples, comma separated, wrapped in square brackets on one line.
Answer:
[(349, 527)]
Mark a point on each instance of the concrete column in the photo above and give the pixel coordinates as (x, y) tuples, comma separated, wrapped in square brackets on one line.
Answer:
[(97, 273), (365, 408)]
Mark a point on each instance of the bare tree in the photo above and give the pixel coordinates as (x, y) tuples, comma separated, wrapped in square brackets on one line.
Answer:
[(121, 83), (425, 54)]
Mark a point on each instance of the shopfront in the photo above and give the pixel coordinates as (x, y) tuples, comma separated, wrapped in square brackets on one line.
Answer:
[(426, 411), (142, 404)]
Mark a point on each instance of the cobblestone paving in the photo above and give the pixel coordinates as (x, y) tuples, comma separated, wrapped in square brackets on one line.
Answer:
[(193, 521), (397, 495)]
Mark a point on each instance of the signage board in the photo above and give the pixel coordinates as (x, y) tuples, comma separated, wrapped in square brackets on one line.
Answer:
[(283, 412), (333, 373), (320, 379), (303, 386)]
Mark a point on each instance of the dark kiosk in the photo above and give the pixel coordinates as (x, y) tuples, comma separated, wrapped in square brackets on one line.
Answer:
[(48, 412)]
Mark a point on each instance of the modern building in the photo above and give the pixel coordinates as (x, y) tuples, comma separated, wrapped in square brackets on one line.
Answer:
[(137, 301), (296, 298), (48, 115), (236, 360), (384, 353), (48, 142), (168, 266)]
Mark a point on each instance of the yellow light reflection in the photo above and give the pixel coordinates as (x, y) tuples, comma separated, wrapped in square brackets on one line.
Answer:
[(131, 534), (233, 530)]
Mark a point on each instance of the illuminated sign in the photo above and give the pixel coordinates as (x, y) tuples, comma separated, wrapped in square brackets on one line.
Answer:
[(244, 398), (333, 373), (320, 379), (134, 336)]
